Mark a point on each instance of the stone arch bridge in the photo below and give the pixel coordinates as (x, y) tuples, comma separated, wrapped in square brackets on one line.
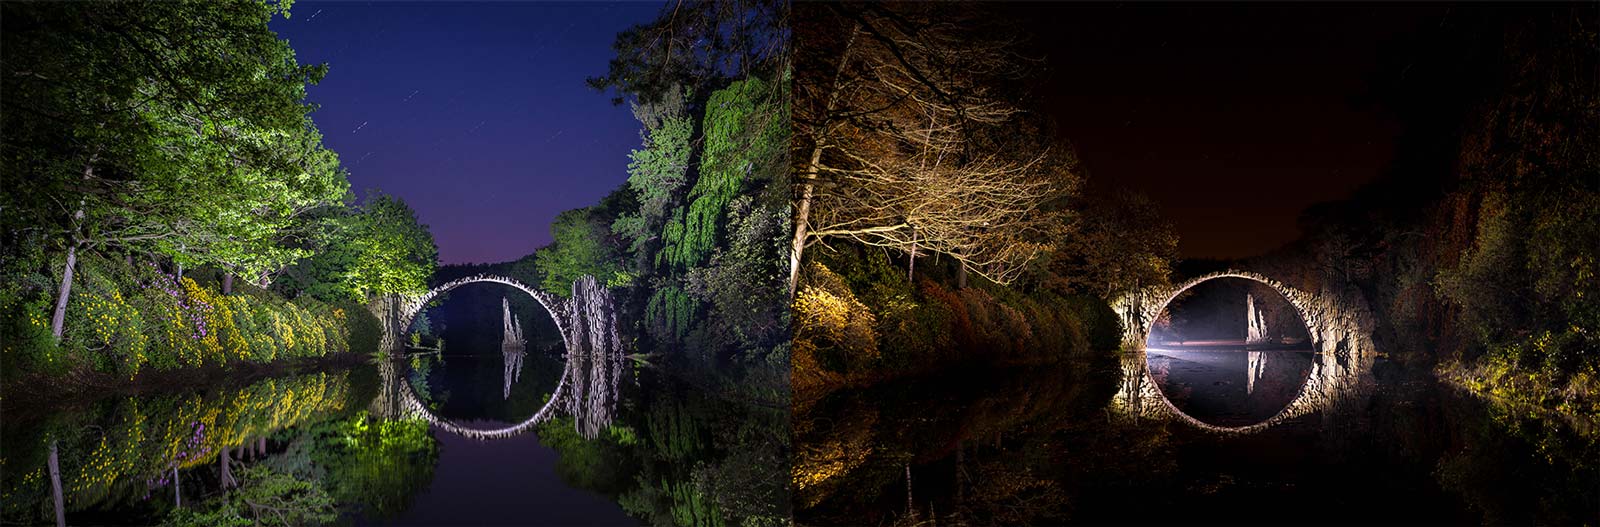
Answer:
[(1337, 318), (587, 320), (587, 390)]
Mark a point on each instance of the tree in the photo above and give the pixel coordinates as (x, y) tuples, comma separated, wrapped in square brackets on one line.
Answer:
[(394, 253), (359, 252), (696, 44), (657, 172), (126, 131), (907, 139), (581, 247), (1118, 244)]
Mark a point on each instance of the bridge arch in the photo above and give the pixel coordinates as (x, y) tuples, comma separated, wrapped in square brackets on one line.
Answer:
[(1340, 336), (558, 307)]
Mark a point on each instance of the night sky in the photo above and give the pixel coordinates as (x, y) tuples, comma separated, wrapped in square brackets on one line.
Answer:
[(1234, 119), (475, 114)]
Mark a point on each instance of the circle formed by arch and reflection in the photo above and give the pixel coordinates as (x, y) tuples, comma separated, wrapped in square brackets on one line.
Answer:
[(1228, 352), (1340, 326), (413, 404)]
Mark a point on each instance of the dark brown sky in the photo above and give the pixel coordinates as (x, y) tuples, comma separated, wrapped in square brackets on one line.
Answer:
[(1233, 118)]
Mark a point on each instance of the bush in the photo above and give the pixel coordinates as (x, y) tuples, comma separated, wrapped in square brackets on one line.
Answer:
[(124, 319)]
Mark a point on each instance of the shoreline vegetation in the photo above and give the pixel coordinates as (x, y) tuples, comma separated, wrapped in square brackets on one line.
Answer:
[(939, 220), (174, 207)]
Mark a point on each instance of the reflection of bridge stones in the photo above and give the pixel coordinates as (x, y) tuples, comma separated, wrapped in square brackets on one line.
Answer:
[(589, 381), (1338, 320)]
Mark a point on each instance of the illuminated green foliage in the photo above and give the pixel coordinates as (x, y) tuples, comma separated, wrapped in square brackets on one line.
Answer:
[(582, 247)]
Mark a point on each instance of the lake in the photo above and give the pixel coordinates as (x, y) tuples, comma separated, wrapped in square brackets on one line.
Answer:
[(1049, 444), (580, 441)]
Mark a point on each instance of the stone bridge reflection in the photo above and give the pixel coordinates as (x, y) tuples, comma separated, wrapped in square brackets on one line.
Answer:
[(1337, 318)]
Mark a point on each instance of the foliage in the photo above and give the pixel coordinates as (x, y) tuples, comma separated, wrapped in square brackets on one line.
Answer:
[(745, 132), (857, 318), (1118, 244), (394, 253), (127, 318), (659, 170), (582, 246), (691, 44), (601, 464), (374, 463), (199, 150), (122, 449), (833, 330), (264, 497)]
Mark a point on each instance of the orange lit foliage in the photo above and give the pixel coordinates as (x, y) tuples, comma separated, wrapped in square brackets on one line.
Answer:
[(833, 332), (861, 320)]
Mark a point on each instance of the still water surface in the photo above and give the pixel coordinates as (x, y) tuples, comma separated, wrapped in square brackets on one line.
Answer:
[(643, 447), (1046, 444)]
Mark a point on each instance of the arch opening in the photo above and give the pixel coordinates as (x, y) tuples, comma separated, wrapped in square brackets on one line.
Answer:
[(1229, 351)]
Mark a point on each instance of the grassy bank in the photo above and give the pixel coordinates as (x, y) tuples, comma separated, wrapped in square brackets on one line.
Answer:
[(136, 322), (859, 320)]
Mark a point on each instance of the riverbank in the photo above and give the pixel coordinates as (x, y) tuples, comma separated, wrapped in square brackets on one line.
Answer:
[(131, 326), (1574, 401), (42, 392), (859, 321)]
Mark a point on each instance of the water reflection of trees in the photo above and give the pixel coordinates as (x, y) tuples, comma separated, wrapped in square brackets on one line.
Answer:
[(1040, 447), (121, 454), (968, 449)]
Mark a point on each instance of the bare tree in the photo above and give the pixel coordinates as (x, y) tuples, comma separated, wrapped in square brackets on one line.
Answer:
[(910, 139)]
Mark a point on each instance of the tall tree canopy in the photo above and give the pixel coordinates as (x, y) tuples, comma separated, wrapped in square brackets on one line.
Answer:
[(908, 138), (375, 249), (173, 128), (696, 44)]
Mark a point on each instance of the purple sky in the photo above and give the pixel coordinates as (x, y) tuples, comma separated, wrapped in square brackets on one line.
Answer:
[(476, 114)]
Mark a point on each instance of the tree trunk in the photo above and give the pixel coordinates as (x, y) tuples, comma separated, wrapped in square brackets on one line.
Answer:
[(911, 510), (802, 214), (911, 269), (59, 317), (226, 478), (177, 491), (961, 276), (227, 283), (55, 486)]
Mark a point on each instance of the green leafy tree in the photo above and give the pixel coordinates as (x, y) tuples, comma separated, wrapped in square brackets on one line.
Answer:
[(582, 247), (378, 248), (394, 253), (127, 132), (658, 171)]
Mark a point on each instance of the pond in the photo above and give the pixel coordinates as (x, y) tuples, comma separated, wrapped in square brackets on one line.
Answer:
[(1050, 444), (591, 441)]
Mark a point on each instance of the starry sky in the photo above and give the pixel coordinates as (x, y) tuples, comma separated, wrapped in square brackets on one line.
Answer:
[(476, 114), (1233, 118)]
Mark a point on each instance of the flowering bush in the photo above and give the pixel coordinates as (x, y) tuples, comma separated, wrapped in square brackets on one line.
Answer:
[(125, 319)]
